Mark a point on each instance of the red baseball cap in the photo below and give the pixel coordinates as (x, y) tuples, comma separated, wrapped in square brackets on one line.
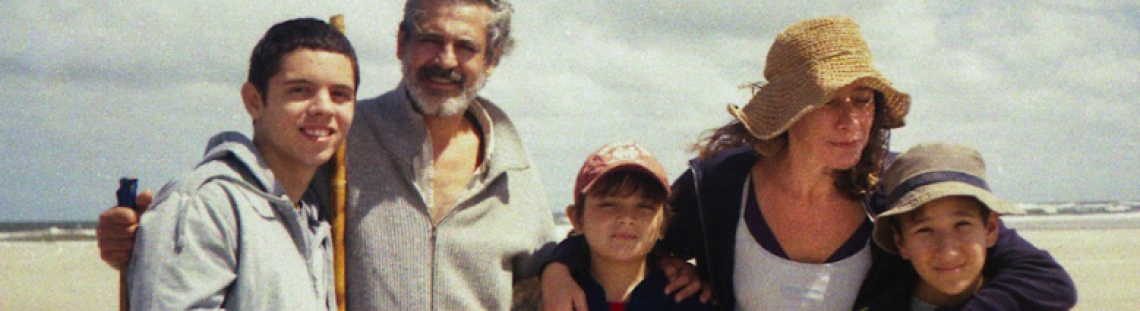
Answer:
[(618, 156)]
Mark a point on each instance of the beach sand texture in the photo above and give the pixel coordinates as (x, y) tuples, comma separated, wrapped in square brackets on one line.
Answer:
[(1105, 263), (56, 276)]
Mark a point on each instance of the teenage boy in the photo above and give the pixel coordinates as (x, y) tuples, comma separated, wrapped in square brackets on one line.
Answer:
[(620, 205), (240, 232), (941, 216)]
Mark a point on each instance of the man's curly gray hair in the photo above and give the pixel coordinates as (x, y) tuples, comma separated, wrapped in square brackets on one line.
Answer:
[(499, 37)]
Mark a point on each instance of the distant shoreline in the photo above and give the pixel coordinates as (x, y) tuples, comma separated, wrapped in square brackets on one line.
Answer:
[(60, 231), (23, 226), (1117, 220)]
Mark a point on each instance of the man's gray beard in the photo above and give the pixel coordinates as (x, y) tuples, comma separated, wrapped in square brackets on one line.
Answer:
[(446, 107)]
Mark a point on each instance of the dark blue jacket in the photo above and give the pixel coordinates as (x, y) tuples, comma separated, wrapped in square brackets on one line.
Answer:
[(649, 295)]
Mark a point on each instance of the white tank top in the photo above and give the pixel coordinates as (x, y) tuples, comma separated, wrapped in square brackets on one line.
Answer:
[(765, 281)]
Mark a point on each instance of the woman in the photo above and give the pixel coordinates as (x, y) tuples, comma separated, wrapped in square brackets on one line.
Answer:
[(784, 182), (773, 208)]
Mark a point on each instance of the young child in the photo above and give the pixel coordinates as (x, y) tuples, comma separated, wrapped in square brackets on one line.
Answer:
[(621, 207), (941, 216), (241, 232)]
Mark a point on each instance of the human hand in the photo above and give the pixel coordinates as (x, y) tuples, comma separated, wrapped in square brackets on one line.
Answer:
[(683, 279), (116, 231), (559, 290)]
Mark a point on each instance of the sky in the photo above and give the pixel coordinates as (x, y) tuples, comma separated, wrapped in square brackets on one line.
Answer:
[(1047, 91)]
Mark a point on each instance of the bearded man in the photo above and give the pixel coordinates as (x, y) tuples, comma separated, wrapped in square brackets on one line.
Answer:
[(444, 208)]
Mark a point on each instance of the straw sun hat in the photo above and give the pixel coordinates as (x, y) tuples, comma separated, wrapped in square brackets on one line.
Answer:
[(926, 173), (807, 64)]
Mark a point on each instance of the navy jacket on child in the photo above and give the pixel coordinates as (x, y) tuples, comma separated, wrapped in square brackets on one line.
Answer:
[(649, 295)]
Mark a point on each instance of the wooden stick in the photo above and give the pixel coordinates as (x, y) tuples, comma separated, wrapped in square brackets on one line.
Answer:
[(124, 298), (339, 186)]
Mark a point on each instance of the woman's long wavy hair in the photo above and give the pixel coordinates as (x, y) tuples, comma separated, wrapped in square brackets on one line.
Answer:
[(856, 182)]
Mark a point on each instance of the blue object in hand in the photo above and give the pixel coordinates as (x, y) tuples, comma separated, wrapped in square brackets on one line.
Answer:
[(128, 189)]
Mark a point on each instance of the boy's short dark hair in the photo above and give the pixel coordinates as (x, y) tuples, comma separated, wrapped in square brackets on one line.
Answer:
[(288, 36)]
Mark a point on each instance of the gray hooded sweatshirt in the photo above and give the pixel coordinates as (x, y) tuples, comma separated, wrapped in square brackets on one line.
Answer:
[(226, 236)]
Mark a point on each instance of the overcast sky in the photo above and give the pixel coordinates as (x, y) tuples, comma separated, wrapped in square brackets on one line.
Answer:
[(1048, 91)]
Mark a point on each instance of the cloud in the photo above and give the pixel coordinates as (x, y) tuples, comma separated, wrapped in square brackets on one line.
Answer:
[(1047, 90)]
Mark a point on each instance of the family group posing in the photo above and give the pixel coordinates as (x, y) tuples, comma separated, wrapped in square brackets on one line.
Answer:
[(797, 204)]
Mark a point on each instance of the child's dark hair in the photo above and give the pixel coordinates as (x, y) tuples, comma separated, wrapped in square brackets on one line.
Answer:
[(288, 36), (627, 183)]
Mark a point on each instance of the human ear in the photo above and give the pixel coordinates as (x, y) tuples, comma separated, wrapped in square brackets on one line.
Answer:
[(992, 225), (252, 100), (400, 44), (490, 68), (666, 219), (900, 245), (575, 221)]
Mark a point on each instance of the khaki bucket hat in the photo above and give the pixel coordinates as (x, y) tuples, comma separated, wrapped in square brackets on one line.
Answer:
[(806, 65), (928, 172)]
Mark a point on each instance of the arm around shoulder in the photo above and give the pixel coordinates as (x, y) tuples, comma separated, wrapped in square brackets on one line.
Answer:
[(684, 238), (1022, 277)]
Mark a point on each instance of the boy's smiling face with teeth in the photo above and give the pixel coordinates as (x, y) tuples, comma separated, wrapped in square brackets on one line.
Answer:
[(307, 108)]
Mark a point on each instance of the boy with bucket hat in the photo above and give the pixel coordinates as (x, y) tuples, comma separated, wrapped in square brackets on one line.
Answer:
[(941, 216), (621, 206)]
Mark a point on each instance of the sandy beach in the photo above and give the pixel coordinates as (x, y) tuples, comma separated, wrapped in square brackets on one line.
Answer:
[(56, 276), (1105, 263)]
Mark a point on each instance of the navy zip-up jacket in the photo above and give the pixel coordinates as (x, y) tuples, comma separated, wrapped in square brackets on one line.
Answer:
[(649, 295)]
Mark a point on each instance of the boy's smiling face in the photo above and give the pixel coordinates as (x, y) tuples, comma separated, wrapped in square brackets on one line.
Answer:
[(307, 108), (946, 241), (620, 228)]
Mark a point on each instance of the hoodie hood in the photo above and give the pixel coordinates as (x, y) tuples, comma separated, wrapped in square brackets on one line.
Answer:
[(237, 152)]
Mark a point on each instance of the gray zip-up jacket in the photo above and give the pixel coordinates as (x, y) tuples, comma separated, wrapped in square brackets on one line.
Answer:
[(226, 236)]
